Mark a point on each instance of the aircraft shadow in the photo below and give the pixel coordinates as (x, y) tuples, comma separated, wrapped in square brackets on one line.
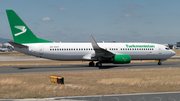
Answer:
[(105, 66)]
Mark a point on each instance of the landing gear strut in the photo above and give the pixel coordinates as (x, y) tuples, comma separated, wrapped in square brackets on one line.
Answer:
[(91, 63), (159, 63)]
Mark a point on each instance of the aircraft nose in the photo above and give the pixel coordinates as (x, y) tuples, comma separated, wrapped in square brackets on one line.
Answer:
[(173, 53)]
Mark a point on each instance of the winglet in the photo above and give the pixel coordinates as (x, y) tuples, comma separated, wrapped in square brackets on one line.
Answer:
[(100, 52), (94, 43)]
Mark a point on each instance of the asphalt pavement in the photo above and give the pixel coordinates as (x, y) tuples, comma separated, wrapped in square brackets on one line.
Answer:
[(61, 68)]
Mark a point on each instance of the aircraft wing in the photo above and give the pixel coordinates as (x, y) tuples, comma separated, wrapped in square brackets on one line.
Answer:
[(100, 52)]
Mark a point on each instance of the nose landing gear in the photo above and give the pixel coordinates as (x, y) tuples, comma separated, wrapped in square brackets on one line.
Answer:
[(159, 63)]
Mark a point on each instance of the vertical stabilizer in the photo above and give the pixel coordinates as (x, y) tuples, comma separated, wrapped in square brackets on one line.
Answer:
[(21, 33)]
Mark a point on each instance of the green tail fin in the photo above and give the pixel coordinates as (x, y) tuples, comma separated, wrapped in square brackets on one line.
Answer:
[(21, 33)]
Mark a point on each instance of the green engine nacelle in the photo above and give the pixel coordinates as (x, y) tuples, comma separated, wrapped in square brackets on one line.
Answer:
[(121, 59)]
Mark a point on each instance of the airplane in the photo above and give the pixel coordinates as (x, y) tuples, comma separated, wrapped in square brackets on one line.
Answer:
[(5, 48), (118, 53)]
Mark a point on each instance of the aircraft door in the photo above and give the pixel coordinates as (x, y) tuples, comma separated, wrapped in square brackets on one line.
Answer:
[(160, 51), (41, 50)]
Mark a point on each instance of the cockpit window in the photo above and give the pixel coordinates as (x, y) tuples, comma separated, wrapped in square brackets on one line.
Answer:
[(167, 48)]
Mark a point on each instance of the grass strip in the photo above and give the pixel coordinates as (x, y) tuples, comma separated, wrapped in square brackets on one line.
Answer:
[(91, 83)]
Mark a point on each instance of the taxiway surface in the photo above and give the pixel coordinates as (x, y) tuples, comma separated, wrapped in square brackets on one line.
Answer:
[(165, 96), (62, 68)]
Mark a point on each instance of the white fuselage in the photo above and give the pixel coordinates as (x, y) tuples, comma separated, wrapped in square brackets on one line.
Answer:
[(84, 51)]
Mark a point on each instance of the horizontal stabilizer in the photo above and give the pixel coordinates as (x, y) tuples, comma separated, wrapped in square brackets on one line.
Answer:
[(17, 45)]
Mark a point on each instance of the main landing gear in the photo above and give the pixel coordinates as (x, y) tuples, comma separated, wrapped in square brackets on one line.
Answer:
[(98, 64), (159, 63), (91, 63)]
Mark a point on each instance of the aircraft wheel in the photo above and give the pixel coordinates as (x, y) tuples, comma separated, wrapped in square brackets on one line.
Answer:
[(98, 64), (91, 63), (159, 63)]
